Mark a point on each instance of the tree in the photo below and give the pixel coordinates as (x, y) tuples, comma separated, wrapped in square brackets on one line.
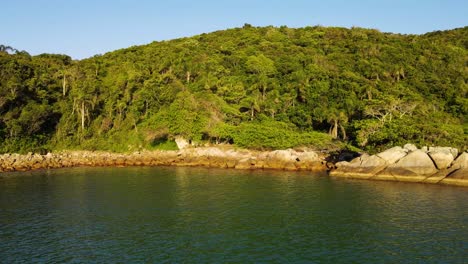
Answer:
[(5, 49), (83, 89), (264, 68), (368, 88)]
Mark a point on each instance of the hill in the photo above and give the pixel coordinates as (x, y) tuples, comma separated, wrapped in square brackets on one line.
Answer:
[(256, 87)]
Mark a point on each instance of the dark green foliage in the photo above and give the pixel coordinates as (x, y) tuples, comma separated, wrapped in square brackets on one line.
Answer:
[(258, 87)]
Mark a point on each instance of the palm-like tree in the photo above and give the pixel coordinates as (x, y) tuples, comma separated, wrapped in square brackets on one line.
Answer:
[(5, 49)]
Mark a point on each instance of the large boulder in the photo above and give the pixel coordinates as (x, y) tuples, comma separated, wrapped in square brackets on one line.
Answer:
[(361, 166), (393, 155), (416, 163), (442, 157), (410, 147), (284, 155), (372, 164), (354, 163), (453, 151), (181, 142), (460, 165), (461, 161), (308, 156), (279, 159)]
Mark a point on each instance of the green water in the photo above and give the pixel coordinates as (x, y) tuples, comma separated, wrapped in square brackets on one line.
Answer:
[(196, 215)]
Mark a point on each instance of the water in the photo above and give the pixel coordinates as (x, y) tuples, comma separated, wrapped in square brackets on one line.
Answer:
[(197, 215)]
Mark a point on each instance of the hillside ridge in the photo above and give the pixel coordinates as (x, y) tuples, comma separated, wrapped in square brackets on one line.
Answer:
[(255, 87)]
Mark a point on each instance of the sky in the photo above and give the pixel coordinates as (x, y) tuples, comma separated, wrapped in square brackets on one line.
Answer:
[(84, 28)]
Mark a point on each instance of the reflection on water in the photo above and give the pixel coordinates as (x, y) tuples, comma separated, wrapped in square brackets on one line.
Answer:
[(207, 215)]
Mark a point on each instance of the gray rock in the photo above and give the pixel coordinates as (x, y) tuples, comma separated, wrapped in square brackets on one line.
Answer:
[(308, 156), (373, 161), (355, 163), (362, 165), (442, 157), (410, 147), (181, 142), (452, 151), (416, 163), (284, 155), (392, 155), (461, 161)]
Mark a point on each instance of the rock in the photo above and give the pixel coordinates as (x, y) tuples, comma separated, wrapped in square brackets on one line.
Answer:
[(231, 163), (410, 147), (363, 165), (244, 164), (416, 163), (461, 173), (309, 160), (462, 160), (290, 165), (347, 156), (442, 157), (285, 155), (308, 156), (460, 165), (355, 163), (181, 142), (373, 161), (453, 151), (394, 154), (279, 159), (211, 152)]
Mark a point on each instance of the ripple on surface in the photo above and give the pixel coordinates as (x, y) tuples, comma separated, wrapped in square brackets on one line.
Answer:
[(209, 215)]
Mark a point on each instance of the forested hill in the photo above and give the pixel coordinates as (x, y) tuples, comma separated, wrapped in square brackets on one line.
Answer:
[(256, 87)]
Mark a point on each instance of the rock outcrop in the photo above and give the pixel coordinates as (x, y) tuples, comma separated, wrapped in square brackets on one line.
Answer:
[(443, 157), (217, 157), (181, 142), (363, 166), (415, 163), (460, 167), (429, 165), (393, 155)]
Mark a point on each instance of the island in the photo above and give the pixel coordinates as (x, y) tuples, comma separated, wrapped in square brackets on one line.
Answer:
[(351, 101)]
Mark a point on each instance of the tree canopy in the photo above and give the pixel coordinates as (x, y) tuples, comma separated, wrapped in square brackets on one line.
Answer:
[(258, 87)]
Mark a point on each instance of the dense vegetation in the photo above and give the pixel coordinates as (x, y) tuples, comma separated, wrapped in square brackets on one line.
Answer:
[(256, 87)]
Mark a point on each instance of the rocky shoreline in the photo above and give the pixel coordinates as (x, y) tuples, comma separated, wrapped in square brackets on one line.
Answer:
[(215, 157), (443, 165)]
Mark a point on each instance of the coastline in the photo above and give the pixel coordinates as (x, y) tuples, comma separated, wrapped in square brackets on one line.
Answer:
[(390, 165), (434, 165), (214, 157)]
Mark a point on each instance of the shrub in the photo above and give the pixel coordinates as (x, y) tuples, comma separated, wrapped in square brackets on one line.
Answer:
[(271, 135)]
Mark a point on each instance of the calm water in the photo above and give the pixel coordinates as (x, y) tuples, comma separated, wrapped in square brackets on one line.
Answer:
[(196, 215)]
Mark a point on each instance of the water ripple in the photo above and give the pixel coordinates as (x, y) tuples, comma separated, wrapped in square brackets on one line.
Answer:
[(174, 215)]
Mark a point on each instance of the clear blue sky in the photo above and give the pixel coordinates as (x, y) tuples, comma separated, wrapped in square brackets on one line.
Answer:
[(83, 28)]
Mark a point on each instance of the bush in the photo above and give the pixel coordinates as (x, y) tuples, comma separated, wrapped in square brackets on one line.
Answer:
[(271, 135), (164, 145)]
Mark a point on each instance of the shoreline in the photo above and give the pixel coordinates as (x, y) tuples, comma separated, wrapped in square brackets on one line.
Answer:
[(213, 157), (434, 165), (382, 166)]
